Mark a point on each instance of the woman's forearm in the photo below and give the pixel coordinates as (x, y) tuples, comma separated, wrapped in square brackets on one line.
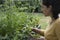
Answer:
[(39, 31)]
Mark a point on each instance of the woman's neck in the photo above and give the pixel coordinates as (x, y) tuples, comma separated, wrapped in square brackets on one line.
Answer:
[(52, 20)]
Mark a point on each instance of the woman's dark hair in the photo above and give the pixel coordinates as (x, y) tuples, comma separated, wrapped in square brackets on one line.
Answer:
[(55, 6)]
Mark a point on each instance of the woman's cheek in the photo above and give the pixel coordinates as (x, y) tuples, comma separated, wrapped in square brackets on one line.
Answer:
[(45, 13)]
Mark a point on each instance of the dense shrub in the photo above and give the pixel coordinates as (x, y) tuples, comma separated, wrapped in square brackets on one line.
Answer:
[(17, 26)]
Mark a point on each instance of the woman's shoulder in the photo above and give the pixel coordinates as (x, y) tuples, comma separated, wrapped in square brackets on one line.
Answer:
[(57, 22)]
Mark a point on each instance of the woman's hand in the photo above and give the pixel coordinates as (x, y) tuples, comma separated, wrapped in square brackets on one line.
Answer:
[(39, 31)]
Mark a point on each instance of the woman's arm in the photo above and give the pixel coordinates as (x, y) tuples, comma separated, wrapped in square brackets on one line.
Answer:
[(39, 31)]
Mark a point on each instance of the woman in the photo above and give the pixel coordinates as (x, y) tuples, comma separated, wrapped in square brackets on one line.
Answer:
[(51, 8)]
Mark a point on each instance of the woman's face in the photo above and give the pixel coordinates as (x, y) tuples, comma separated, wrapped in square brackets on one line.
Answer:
[(46, 10)]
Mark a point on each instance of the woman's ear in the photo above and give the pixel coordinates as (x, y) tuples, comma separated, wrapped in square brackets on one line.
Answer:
[(50, 7)]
